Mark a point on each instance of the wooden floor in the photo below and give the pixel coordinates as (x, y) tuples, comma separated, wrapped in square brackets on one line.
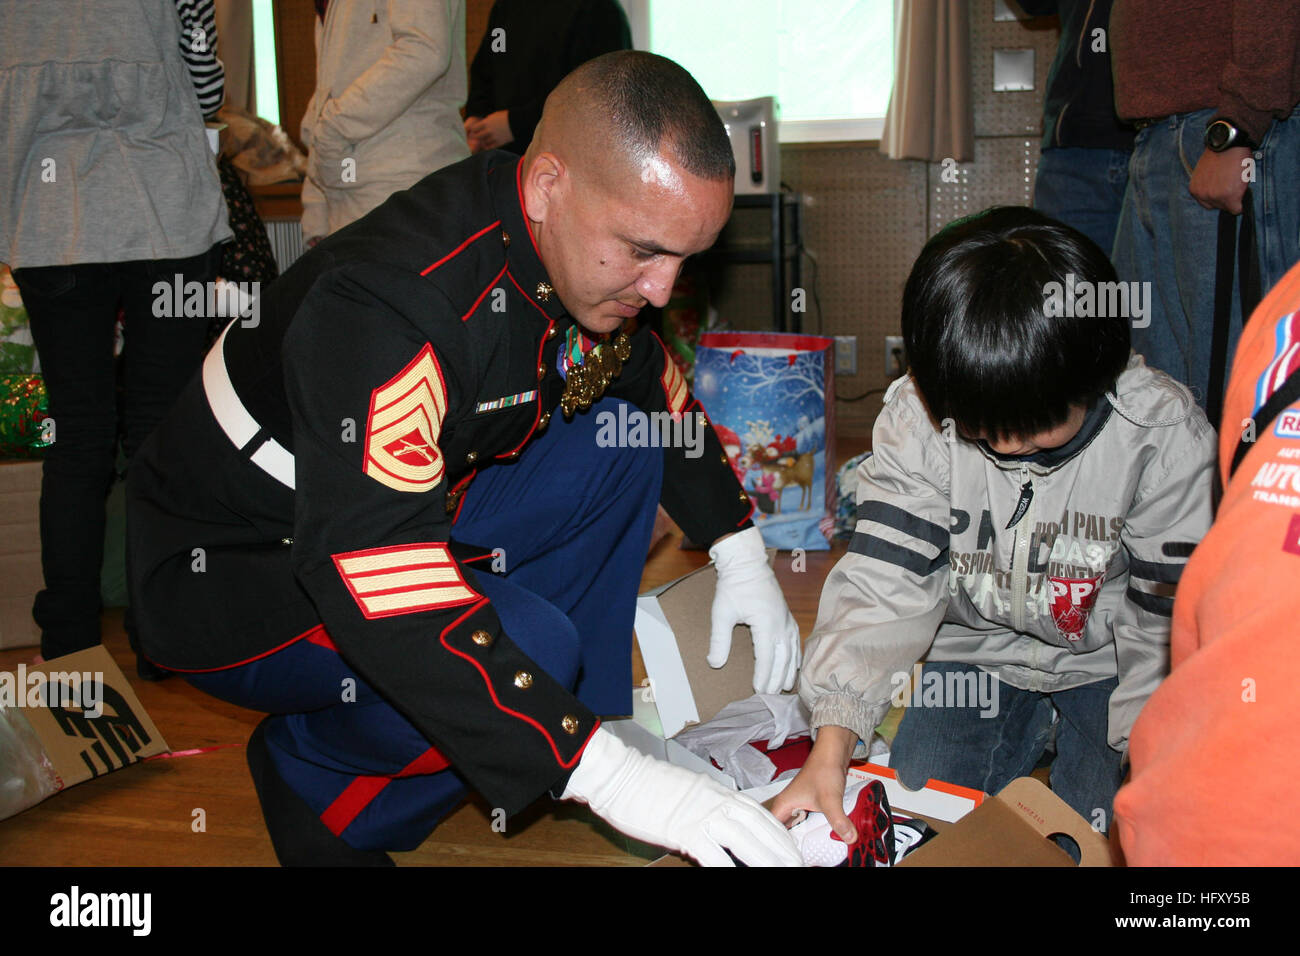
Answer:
[(145, 814)]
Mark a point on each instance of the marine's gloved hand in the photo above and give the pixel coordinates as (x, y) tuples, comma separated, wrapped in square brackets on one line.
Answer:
[(676, 808), (748, 593)]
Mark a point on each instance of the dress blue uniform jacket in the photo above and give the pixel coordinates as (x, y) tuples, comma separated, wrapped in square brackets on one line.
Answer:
[(393, 362)]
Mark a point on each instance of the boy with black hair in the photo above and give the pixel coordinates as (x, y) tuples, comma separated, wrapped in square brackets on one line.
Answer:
[(1033, 494)]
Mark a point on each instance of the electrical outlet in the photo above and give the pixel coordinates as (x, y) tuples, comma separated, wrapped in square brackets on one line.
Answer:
[(895, 365), (846, 355)]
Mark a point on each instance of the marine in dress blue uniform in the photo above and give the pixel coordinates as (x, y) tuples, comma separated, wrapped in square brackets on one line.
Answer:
[(369, 519)]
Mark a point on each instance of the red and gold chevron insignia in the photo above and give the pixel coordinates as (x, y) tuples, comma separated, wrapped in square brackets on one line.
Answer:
[(405, 421), (674, 385), (403, 579)]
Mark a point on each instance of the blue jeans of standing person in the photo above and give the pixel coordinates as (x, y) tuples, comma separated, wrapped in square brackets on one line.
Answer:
[(1083, 188), (72, 310), (972, 746), (572, 523), (1166, 238)]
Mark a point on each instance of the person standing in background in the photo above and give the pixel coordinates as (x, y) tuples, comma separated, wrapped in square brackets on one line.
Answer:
[(390, 82), (529, 46), (110, 188), (1213, 779), (1083, 167), (1213, 86)]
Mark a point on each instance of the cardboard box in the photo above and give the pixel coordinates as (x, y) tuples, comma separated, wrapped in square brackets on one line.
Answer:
[(1011, 828), (672, 630), (85, 719), (641, 732), (937, 802), (20, 552), (1014, 828), (972, 829)]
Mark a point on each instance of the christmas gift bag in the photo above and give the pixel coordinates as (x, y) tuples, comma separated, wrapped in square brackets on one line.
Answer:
[(771, 399)]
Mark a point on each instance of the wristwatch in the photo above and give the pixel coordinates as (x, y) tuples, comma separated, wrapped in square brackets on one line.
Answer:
[(1222, 134)]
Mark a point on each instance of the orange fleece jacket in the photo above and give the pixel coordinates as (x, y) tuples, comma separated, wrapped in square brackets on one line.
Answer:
[(1214, 753)]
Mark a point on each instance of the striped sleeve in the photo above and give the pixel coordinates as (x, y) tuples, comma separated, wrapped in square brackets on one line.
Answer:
[(198, 45), (884, 599)]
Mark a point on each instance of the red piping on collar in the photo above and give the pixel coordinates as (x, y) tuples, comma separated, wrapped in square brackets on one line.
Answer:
[(519, 187), (461, 248)]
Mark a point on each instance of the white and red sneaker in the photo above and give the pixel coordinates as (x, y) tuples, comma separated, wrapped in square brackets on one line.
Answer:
[(867, 807)]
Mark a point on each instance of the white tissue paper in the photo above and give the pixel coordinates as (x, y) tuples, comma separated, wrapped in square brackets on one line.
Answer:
[(776, 718)]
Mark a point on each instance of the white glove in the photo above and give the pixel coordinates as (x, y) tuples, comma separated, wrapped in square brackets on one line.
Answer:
[(748, 593), (676, 808)]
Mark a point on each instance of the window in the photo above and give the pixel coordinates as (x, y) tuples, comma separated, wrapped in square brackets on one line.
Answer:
[(267, 82), (830, 63)]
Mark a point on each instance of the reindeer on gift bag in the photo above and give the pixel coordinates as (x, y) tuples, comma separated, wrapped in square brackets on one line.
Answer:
[(780, 472)]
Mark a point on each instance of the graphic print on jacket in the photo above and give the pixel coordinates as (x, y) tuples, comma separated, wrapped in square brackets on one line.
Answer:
[(1066, 562)]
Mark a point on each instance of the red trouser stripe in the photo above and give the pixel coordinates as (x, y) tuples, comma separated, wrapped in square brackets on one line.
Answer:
[(356, 796)]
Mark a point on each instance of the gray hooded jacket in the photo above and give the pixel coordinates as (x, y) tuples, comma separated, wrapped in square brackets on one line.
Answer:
[(1077, 588)]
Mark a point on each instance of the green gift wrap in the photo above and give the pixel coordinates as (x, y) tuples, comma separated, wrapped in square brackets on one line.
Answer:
[(25, 427)]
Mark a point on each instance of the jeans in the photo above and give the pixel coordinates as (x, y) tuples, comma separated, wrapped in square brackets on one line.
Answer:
[(72, 310), (1168, 239), (1083, 188), (973, 746)]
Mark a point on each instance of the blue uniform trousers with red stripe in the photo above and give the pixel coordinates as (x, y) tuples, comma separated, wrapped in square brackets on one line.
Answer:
[(572, 521)]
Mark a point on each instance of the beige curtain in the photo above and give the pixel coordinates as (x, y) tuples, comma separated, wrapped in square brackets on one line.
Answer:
[(235, 47), (930, 115)]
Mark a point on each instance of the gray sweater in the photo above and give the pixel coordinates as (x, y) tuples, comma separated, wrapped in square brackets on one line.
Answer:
[(103, 155)]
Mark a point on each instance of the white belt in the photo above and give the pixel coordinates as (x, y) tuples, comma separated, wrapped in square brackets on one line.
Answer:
[(239, 426)]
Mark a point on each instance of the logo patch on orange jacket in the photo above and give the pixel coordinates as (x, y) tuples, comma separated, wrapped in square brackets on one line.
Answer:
[(405, 421)]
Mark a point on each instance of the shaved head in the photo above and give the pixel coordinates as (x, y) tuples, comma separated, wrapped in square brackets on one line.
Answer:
[(615, 115), (629, 173)]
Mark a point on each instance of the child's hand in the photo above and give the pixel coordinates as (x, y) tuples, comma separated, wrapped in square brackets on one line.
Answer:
[(820, 784)]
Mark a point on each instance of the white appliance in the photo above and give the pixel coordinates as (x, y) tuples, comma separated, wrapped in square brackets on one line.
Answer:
[(751, 125)]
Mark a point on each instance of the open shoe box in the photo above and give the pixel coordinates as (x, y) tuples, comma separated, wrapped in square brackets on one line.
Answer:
[(672, 629), (672, 632), (1011, 828)]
